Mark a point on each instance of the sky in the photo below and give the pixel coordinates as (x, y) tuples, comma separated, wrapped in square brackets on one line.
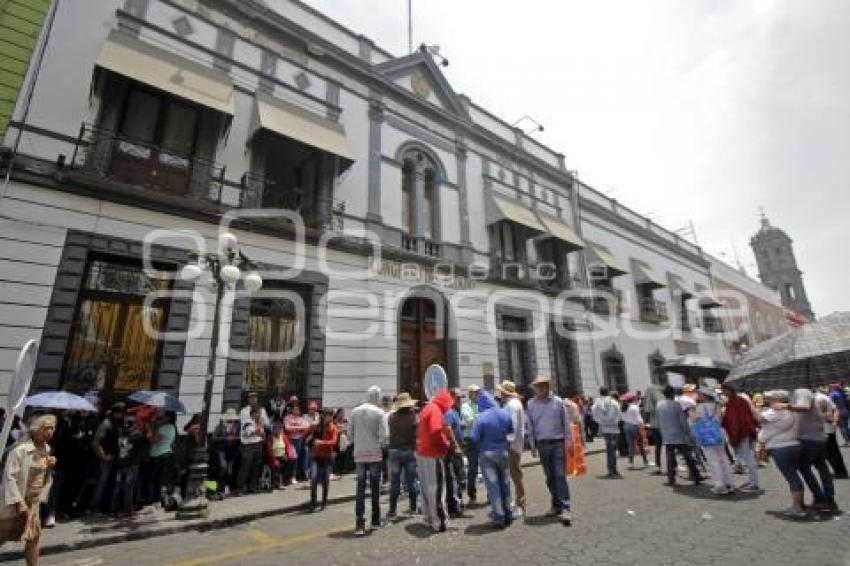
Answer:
[(697, 110)]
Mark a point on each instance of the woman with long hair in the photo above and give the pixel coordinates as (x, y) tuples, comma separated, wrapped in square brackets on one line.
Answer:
[(26, 485)]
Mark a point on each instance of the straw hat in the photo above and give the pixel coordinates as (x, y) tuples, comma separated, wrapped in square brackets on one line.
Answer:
[(404, 401), (541, 380), (473, 388), (230, 415), (507, 388)]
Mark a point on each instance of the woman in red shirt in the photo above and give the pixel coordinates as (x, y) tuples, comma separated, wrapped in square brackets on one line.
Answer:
[(324, 439)]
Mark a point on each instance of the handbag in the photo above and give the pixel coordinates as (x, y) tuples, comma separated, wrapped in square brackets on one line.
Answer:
[(707, 432)]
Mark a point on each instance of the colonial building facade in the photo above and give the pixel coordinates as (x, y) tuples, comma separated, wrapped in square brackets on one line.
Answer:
[(433, 232)]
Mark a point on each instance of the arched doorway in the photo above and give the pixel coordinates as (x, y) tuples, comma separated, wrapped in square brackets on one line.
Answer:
[(422, 341)]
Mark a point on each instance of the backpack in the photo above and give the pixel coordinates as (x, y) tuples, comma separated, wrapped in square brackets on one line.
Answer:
[(707, 432)]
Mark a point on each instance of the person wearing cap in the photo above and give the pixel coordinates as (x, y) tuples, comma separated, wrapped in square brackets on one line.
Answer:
[(606, 413), (779, 435), (468, 414), (433, 440), (673, 425), (516, 439), (368, 429), (813, 450), (253, 421), (550, 432), (402, 422), (739, 422), (491, 431), (225, 445)]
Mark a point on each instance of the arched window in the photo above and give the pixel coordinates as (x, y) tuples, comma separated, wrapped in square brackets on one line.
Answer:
[(614, 370), (420, 201)]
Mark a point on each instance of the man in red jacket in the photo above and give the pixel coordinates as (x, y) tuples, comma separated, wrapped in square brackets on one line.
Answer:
[(432, 445)]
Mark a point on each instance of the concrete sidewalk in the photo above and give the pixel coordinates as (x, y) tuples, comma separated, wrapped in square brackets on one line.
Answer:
[(81, 534)]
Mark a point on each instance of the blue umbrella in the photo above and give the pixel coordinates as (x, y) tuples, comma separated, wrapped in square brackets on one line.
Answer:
[(59, 400), (159, 399)]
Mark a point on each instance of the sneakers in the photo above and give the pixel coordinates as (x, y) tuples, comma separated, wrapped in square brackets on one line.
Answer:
[(794, 513), (553, 512), (391, 516), (749, 488), (724, 490), (379, 525), (50, 522), (360, 531)]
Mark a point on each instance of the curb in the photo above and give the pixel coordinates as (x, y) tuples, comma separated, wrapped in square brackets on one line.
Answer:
[(201, 525)]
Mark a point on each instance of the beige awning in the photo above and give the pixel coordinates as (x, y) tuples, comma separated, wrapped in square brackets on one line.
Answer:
[(299, 124), (557, 228), (645, 275), (683, 288), (161, 69), (500, 208), (603, 255)]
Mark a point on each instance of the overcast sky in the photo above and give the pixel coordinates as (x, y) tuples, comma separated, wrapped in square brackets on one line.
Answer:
[(698, 110)]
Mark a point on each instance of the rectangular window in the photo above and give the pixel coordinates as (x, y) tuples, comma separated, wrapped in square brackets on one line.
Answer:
[(507, 241), (110, 350)]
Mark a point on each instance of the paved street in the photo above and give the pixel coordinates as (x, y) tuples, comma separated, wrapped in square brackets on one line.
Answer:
[(632, 521)]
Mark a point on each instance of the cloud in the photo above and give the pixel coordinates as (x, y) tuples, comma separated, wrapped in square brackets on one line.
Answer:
[(698, 110)]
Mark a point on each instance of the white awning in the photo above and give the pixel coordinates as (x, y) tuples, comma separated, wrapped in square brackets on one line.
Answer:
[(166, 71), (500, 208), (604, 256), (557, 228), (645, 275), (291, 121)]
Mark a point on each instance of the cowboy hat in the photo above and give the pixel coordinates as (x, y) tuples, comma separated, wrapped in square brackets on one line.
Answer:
[(507, 388), (404, 401), (473, 388), (541, 380), (230, 415)]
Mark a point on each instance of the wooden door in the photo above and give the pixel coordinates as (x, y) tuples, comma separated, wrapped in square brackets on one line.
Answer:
[(421, 343)]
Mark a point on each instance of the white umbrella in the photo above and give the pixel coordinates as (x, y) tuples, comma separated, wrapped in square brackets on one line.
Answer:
[(59, 400)]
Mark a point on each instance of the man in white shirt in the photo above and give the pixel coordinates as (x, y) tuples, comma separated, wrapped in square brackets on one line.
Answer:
[(369, 432), (253, 422), (516, 439), (606, 412)]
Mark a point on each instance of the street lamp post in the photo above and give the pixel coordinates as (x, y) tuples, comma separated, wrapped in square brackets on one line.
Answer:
[(225, 273)]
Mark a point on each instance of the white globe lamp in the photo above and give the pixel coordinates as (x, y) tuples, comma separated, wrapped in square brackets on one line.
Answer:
[(253, 282)]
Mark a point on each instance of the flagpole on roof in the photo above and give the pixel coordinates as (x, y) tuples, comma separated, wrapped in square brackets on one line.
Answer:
[(409, 26)]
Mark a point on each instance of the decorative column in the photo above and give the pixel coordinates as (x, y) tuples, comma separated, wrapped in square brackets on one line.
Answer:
[(418, 195), (463, 200), (376, 120)]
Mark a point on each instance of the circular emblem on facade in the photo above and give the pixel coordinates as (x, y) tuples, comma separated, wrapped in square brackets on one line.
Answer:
[(419, 83)]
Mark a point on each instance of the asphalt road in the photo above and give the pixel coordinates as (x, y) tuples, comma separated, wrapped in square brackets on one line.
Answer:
[(631, 521)]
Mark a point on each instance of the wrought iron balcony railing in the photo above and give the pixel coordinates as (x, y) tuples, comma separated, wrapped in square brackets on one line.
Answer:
[(606, 300), (653, 311)]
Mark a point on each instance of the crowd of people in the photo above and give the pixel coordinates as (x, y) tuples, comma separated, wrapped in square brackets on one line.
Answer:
[(135, 460)]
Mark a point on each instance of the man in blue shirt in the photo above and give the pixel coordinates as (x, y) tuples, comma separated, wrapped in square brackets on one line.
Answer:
[(455, 476), (491, 431), (550, 433)]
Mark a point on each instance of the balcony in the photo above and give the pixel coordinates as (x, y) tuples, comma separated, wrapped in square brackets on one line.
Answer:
[(511, 272), (653, 311), (422, 246), (107, 156), (110, 156), (606, 301)]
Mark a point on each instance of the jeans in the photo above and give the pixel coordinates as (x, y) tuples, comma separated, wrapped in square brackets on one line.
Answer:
[(787, 460), (124, 490), (250, 465), (655, 437), (552, 459), (611, 442), (470, 449), (319, 475), (373, 470), (160, 477), (104, 473), (225, 468), (745, 453), (402, 461), (494, 468), (455, 480), (834, 457), (633, 437), (844, 426), (813, 454), (688, 454)]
